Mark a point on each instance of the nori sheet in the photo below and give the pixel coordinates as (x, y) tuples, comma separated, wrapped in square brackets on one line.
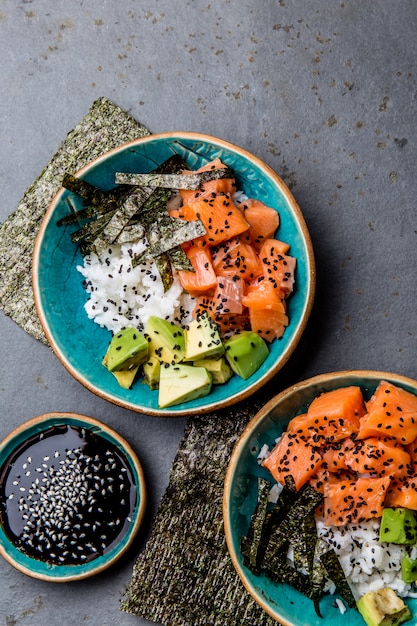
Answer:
[(104, 127), (184, 575)]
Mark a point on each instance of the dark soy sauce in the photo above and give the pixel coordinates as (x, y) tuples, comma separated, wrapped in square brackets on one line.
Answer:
[(67, 496)]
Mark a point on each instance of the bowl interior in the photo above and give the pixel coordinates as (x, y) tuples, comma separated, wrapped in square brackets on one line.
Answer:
[(60, 296), (64, 573), (281, 601)]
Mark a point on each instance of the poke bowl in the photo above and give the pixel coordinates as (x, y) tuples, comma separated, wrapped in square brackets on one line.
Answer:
[(349, 529), (61, 272), (72, 498)]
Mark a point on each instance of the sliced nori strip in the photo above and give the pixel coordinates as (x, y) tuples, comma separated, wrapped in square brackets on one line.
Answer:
[(88, 192), (304, 542), (94, 195), (173, 181), (155, 205), (279, 570), (163, 265), (101, 202), (179, 260), (130, 233), (307, 501), (160, 242), (317, 575), (85, 213), (256, 527), (119, 219), (336, 574), (89, 231)]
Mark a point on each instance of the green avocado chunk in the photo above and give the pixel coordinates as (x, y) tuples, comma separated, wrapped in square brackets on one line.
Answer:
[(151, 370), (218, 368), (408, 569), (202, 339), (398, 526), (181, 383), (383, 608), (126, 378), (245, 352), (166, 339), (127, 349)]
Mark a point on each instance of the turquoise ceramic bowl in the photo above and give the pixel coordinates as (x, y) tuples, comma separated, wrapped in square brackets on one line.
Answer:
[(79, 343), (40, 427), (282, 602)]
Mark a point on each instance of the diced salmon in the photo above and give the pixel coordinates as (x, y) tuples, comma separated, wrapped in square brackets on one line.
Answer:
[(204, 277), (263, 220), (295, 457), (335, 414), (267, 323), (236, 257), (391, 412), (335, 456), (402, 494), (221, 218), (278, 267), (262, 294), (380, 457), (220, 185), (354, 501)]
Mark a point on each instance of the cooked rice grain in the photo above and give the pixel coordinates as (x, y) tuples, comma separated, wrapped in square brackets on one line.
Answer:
[(369, 565), (122, 295)]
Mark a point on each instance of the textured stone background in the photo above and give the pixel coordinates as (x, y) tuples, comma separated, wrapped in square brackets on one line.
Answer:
[(325, 93)]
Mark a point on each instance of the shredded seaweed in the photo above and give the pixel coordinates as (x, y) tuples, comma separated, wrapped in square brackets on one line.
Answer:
[(280, 571), (336, 574), (130, 233), (252, 544), (303, 543), (125, 212), (164, 237), (163, 264), (306, 502), (173, 181), (179, 260), (317, 575), (282, 543), (120, 219)]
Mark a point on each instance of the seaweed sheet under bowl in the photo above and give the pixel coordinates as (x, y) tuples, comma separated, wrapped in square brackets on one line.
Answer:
[(79, 343), (279, 600)]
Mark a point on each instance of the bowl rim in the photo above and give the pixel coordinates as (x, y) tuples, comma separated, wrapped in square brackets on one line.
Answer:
[(245, 436), (98, 427), (308, 301)]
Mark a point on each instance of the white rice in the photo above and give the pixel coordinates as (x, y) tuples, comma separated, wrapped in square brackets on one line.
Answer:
[(368, 564), (121, 295)]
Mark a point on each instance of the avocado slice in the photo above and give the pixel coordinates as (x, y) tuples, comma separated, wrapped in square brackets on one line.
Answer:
[(383, 608), (181, 383), (127, 349), (126, 378), (202, 339), (245, 352), (166, 339), (408, 569), (398, 526), (151, 370), (218, 368)]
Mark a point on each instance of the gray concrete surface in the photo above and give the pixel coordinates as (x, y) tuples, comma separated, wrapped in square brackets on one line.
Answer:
[(325, 93)]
